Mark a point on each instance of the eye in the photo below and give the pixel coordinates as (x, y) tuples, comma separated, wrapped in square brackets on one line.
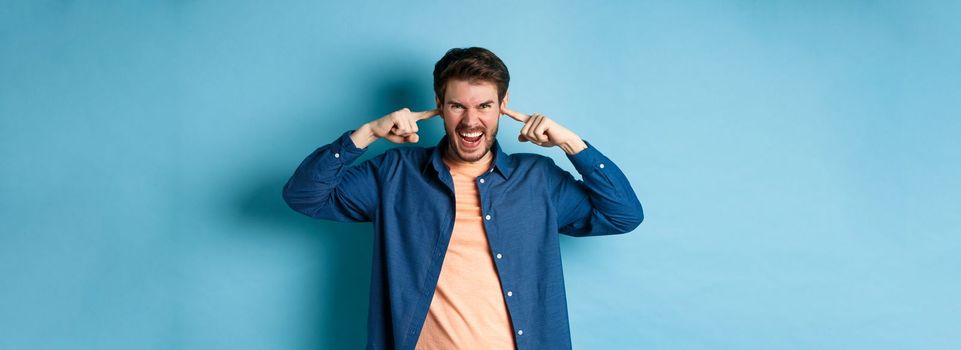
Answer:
[(485, 106), (456, 106)]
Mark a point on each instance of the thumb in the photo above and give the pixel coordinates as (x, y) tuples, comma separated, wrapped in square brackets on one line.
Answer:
[(412, 138), (521, 138)]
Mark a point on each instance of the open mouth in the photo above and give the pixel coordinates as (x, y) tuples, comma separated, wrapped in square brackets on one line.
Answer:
[(471, 139)]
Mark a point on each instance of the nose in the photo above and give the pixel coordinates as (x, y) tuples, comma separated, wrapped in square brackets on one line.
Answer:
[(472, 116)]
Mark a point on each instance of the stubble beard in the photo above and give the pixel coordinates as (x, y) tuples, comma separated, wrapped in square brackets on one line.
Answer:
[(455, 150)]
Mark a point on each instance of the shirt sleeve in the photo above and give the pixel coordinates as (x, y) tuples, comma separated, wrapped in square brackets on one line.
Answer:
[(325, 186), (603, 203)]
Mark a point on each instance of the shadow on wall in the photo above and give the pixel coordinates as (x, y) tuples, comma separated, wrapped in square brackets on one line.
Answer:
[(338, 320)]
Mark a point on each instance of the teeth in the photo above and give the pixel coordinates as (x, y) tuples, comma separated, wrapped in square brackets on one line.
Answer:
[(473, 134)]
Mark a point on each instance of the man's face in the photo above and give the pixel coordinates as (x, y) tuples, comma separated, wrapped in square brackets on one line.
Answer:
[(471, 112)]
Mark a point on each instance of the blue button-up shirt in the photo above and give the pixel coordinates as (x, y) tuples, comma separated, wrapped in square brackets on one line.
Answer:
[(408, 195)]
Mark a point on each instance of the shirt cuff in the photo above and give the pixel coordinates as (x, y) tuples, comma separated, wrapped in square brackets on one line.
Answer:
[(344, 148), (588, 159)]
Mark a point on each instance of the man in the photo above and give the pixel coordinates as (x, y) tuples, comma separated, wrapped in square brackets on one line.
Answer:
[(466, 251)]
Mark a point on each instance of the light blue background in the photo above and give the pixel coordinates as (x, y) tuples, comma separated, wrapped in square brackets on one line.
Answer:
[(798, 162)]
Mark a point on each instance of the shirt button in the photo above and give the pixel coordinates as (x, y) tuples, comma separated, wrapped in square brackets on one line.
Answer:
[(487, 217), (602, 165), (336, 155), (482, 180), (509, 293), (520, 332), (498, 255)]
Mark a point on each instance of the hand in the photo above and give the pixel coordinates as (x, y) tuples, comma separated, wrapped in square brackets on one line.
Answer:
[(542, 131), (399, 126)]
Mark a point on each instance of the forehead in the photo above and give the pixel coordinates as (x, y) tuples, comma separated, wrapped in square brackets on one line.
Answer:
[(475, 92)]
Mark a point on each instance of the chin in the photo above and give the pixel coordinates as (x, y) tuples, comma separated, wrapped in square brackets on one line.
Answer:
[(471, 155), (470, 158), (471, 144)]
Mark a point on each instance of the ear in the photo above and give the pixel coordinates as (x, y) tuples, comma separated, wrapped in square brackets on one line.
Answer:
[(440, 108), (507, 97)]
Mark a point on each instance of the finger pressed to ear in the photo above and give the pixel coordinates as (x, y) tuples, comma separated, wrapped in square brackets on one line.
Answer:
[(427, 114), (523, 118)]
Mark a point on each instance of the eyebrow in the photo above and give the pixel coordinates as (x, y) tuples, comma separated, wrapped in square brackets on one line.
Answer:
[(453, 102)]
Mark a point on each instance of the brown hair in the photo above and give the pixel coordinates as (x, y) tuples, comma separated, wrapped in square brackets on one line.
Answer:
[(471, 64)]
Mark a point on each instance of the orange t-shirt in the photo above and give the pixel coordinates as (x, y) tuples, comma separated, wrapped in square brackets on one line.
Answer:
[(468, 310)]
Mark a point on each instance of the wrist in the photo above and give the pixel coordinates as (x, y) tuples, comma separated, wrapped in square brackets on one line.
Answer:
[(363, 136), (573, 146)]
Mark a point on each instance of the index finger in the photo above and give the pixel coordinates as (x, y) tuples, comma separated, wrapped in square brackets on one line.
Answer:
[(521, 117), (425, 114)]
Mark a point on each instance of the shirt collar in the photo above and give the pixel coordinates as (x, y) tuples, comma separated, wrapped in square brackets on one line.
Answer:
[(501, 164)]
